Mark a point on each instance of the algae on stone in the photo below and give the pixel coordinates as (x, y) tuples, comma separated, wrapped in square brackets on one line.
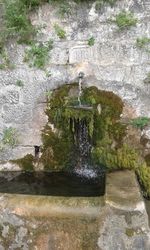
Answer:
[(26, 163)]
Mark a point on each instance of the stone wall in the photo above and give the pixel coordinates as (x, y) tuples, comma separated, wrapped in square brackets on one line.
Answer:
[(113, 63)]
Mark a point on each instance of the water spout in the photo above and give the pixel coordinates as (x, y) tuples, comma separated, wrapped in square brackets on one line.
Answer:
[(81, 75)]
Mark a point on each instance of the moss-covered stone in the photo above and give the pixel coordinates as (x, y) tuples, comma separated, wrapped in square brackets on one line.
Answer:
[(143, 173), (147, 159), (26, 163), (130, 232), (121, 158), (63, 110)]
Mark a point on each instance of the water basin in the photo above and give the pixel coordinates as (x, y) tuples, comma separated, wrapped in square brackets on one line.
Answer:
[(51, 184)]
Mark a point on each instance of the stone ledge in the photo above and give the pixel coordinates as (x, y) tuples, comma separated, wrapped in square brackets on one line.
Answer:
[(47, 206), (123, 191)]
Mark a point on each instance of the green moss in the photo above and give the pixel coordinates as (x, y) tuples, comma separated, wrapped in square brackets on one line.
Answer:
[(147, 159), (19, 83), (10, 137), (143, 173), (26, 163), (130, 232), (105, 129), (56, 150), (121, 158), (58, 145)]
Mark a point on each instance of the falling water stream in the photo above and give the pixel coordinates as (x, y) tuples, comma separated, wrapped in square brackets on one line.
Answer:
[(81, 75), (83, 141), (80, 91)]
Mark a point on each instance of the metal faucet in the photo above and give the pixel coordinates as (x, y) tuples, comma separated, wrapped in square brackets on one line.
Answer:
[(81, 75)]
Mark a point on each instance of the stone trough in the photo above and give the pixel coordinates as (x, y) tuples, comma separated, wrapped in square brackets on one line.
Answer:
[(120, 217)]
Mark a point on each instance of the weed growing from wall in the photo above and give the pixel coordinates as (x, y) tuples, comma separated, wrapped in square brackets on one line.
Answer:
[(143, 43), (140, 122), (59, 31), (91, 41), (5, 60), (17, 22), (101, 3), (147, 79), (9, 137), (64, 9), (19, 83), (125, 20), (37, 55)]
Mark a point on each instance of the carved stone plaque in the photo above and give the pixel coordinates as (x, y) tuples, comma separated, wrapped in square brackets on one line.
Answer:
[(82, 53)]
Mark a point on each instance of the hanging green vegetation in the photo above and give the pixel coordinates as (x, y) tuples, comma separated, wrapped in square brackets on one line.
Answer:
[(143, 173), (63, 111), (26, 163), (121, 158)]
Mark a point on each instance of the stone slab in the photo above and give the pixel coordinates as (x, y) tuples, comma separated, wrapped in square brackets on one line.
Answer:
[(47, 206), (123, 192), (82, 53)]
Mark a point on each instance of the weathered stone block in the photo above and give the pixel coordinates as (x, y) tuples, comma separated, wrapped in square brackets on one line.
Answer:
[(82, 53), (11, 97)]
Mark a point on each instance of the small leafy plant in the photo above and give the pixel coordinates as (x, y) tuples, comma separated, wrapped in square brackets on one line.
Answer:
[(10, 137), (140, 122), (125, 20), (142, 42), (91, 41), (37, 55), (6, 64), (17, 21), (19, 83), (101, 3), (64, 9), (144, 178), (60, 32), (147, 79)]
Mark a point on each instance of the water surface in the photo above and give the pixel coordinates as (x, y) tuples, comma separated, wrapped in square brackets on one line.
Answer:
[(51, 183)]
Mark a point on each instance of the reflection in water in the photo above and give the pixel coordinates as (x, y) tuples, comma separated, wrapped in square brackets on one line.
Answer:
[(51, 183)]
